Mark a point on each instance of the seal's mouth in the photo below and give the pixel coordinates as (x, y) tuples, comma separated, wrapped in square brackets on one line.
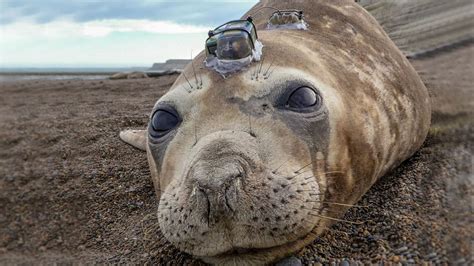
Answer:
[(259, 213), (240, 251), (256, 255)]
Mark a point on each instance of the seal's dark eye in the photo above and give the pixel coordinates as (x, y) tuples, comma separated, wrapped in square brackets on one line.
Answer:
[(303, 97), (162, 122)]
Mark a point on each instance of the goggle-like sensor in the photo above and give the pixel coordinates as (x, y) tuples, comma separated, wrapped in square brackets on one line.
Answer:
[(233, 40), (287, 19)]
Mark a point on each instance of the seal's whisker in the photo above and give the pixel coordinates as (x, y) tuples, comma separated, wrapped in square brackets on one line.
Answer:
[(269, 74), (261, 65), (188, 81), (334, 219), (250, 127), (200, 77), (186, 89), (335, 172), (278, 168), (342, 204), (291, 177), (333, 211), (305, 178), (334, 169), (308, 190), (325, 173), (297, 171), (323, 216), (265, 75), (310, 178), (302, 207), (194, 70), (254, 73)]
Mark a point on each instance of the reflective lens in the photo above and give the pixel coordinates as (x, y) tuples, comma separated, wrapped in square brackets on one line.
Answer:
[(233, 40), (233, 45)]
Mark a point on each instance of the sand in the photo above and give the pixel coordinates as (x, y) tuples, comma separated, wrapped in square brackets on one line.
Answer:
[(71, 191)]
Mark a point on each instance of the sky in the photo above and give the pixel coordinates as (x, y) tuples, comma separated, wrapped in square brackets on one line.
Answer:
[(108, 33)]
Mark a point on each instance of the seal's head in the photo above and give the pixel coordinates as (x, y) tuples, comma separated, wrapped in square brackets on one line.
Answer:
[(241, 165), (250, 167)]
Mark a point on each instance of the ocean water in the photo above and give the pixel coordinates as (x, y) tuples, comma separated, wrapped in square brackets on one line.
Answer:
[(22, 74)]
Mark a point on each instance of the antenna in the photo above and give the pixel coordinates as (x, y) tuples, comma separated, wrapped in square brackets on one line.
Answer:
[(194, 70)]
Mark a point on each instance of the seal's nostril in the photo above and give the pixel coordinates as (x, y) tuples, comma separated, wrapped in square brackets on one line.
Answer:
[(217, 193)]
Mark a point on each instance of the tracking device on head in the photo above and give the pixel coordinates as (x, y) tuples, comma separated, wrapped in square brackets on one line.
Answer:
[(286, 17), (233, 40), (232, 46)]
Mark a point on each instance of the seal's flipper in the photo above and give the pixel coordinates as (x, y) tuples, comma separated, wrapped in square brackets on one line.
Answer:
[(136, 138)]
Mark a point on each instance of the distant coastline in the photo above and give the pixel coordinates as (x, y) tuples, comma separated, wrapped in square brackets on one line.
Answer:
[(13, 77), (85, 73), (22, 74), (67, 70)]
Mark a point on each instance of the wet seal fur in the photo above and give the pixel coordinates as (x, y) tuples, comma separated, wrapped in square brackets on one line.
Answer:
[(245, 180)]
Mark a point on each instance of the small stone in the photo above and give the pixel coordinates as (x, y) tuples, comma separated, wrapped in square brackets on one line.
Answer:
[(42, 248), (81, 247), (401, 250), (396, 259), (431, 256), (344, 263), (290, 261)]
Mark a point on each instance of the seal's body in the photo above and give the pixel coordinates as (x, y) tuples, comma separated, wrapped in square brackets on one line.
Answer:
[(255, 166)]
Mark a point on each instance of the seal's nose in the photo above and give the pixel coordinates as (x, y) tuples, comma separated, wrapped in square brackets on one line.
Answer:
[(217, 188), (221, 165)]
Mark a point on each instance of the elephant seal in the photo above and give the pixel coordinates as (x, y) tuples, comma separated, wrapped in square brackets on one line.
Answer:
[(253, 167)]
